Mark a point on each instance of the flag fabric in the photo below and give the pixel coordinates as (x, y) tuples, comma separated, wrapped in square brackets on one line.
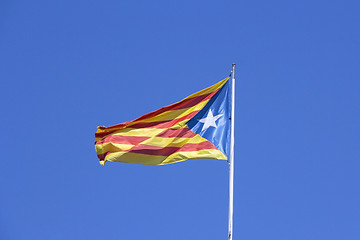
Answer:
[(198, 127)]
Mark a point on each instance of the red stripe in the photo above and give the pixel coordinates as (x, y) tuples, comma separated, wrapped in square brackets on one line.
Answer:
[(122, 140), (180, 133), (192, 101), (158, 124), (166, 151), (176, 106), (102, 156), (163, 124), (179, 105), (190, 147), (118, 127), (152, 150)]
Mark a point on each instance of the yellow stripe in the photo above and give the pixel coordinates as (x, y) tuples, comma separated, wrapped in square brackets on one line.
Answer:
[(202, 92), (174, 114), (139, 132), (138, 158), (173, 142), (209, 89), (136, 132), (154, 141), (99, 130), (166, 116), (111, 147), (183, 156), (181, 124)]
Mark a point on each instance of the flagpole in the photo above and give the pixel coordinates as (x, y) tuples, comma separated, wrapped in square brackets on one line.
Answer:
[(231, 160)]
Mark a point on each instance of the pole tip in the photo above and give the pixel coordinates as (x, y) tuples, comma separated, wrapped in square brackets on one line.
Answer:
[(233, 64)]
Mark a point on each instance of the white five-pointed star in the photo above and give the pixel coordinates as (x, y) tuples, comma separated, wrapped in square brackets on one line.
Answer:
[(210, 120)]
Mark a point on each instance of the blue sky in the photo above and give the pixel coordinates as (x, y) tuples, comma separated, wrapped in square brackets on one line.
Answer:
[(69, 66)]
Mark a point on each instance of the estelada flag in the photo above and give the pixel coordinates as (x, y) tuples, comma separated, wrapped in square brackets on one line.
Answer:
[(195, 128)]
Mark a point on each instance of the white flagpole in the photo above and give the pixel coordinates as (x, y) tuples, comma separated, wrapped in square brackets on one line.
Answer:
[(231, 160)]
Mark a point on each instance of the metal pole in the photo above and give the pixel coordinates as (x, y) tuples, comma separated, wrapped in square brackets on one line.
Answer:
[(231, 160)]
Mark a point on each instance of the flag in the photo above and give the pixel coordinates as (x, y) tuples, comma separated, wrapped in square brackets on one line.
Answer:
[(197, 127)]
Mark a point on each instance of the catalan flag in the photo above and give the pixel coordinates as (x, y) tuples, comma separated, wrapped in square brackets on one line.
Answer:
[(198, 127)]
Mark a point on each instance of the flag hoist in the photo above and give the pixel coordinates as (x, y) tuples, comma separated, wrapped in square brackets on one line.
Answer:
[(199, 126)]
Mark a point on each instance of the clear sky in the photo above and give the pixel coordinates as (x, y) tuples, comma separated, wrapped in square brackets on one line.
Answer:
[(68, 66)]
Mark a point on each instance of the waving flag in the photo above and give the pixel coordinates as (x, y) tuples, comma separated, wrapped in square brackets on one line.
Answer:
[(194, 128)]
